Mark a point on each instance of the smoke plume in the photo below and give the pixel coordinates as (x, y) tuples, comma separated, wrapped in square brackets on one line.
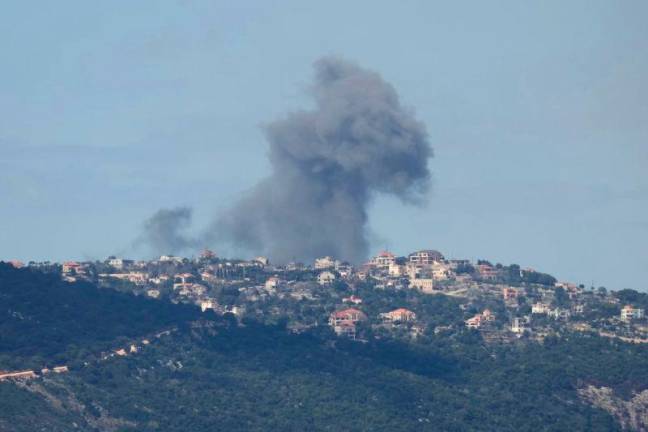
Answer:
[(327, 164), (164, 232)]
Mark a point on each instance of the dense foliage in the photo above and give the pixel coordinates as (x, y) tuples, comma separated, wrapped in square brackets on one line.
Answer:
[(45, 320)]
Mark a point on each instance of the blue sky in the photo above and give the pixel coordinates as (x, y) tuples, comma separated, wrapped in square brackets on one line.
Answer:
[(538, 114)]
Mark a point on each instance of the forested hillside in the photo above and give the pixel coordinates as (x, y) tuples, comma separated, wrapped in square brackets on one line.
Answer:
[(216, 374), (45, 320)]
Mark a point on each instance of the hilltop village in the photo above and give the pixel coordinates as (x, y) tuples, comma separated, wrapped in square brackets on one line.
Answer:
[(419, 295)]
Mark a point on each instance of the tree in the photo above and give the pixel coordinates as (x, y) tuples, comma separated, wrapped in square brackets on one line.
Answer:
[(561, 298)]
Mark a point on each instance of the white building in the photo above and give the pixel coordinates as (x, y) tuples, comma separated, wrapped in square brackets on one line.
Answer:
[(325, 278), (353, 299), (323, 263), (629, 313), (170, 258), (272, 283), (440, 271), (578, 309), (517, 326), (425, 257), (558, 313), (119, 263), (540, 309), (383, 260), (262, 260), (396, 270), (153, 293), (208, 304), (425, 285)]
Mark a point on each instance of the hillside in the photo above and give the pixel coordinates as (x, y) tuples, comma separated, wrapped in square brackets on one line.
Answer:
[(213, 373), (45, 320)]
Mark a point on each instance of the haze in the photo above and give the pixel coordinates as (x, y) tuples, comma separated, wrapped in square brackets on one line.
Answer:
[(538, 116)]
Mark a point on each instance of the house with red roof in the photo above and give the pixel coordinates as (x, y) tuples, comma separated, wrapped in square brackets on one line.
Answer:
[(400, 315), (70, 266), (344, 321)]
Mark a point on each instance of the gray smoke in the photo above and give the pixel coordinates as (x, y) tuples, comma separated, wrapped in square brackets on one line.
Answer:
[(327, 163), (164, 232)]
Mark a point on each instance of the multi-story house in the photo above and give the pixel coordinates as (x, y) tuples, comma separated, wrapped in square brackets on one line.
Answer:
[(344, 322), (383, 260), (425, 257), (399, 315), (629, 313)]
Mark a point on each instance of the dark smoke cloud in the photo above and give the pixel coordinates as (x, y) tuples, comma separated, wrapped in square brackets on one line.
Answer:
[(164, 232), (327, 164)]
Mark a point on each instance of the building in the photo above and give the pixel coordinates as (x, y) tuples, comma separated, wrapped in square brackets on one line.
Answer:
[(517, 326), (207, 254), (441, 271), (159, 279), (323, 263), (209, 304), (351, 315), (425, 285), (383, 260), (346, 329), (400, 315), (629, 313), (208, 276), (425, 257), (568, 286), (182, 280), (264, 261), (488, 316), (196, 290), (396, 270), (487, 271), (474, 322), (326, 278), (559, 314), (540, 309), (170, 258), (480, 319), (138, 278), (344, 322), (118, 263), (353, 299), (28, 374), (344, 268), (153, 293), (71, 266), (272, 283), (578, 309), (294, 266)]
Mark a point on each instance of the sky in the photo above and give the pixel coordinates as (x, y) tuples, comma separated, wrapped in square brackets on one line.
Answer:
[(537, 113)]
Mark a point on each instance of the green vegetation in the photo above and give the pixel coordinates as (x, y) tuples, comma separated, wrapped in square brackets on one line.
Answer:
[(46, 321), (216, 374)]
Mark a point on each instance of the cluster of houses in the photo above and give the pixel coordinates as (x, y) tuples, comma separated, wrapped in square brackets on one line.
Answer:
[(204, 279), (344, 322)]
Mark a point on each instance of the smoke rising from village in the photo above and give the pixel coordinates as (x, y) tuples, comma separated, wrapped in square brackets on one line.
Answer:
[(164, 232), (327, 164)]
